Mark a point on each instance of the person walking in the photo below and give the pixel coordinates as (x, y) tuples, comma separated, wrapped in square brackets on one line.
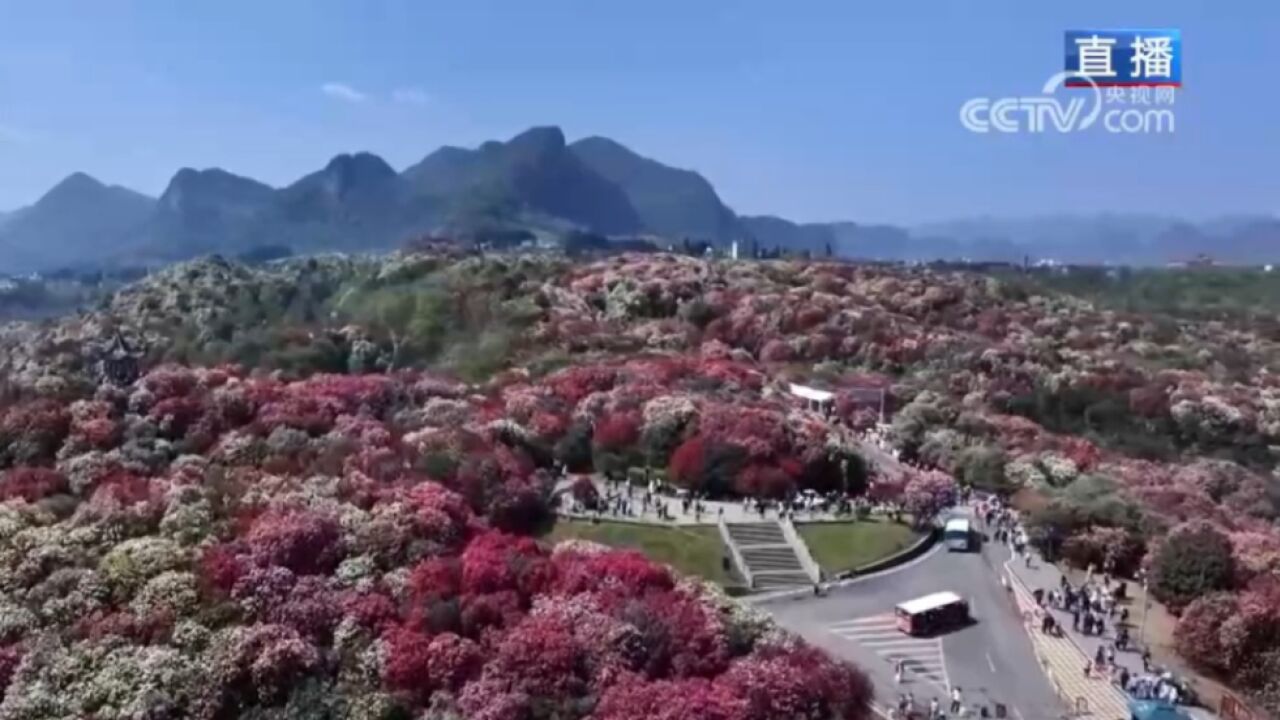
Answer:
[(934, 709), (957, 700)]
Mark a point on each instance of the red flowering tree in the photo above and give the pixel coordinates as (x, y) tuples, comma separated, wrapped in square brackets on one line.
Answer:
[(680, 636), (616, 432), (497, 562), (1199, 631), (688, 465), (30, 433), (800, 682), (764, 481), (31, 484), (585, 492), (303, 542), (541, 659), (614, 441), (690, 699), (407, 665), (626, 571)]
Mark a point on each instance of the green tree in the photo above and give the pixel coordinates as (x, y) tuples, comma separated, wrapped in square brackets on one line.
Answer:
[(1193, 560), (573, 449), (982, 467)]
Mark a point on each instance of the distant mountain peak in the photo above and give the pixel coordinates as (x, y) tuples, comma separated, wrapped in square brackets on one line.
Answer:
[(80, 191), (604, 142), (188, 175), (361, 163), (544, 136), (670, 201), (210, 185), (79, 179), (74, 188), (78, 219)]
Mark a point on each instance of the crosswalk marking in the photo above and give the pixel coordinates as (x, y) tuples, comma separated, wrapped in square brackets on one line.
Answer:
[(921, 657), (868, 620)]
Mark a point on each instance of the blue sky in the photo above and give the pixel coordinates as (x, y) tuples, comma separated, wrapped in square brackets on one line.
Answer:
[(812, 110)]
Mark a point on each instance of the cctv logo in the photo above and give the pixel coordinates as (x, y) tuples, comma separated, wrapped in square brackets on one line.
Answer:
[(1033, 114)]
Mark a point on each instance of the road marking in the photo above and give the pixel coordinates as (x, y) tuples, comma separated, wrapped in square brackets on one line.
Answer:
[(991, 664), (920, 657), (889, 643), (766, 598), (875, 620), (946, 677)]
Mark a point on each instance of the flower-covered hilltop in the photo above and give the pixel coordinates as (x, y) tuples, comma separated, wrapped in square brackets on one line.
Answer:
[(363, 426), (206, 544)]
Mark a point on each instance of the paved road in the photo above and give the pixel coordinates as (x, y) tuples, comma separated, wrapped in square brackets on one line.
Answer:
[(991, 660)]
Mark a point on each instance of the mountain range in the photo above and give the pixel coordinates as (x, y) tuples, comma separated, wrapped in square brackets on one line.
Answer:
[(537, 183)]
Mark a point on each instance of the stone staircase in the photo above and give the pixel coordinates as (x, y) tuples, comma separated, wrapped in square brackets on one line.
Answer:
[(771, 561)]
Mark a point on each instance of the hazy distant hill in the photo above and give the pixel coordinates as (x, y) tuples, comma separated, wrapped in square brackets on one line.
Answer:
[(537, 186), (533, 172), (203, 211), (357, 202), (670, 201), (770, 232), (1119, 239), (78, 218)]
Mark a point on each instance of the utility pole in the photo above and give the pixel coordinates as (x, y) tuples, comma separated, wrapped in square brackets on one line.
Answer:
[(1146, 604)]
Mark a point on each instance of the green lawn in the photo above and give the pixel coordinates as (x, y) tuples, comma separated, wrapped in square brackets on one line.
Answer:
[(840, 546), (690, 550)]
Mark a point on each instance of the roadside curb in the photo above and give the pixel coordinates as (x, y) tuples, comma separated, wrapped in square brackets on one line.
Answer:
[(915, 552)]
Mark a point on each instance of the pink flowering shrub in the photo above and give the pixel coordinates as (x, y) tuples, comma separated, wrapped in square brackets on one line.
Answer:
[(305, 543), (30, 433), (927, 494), (31, 484), (584, 491)]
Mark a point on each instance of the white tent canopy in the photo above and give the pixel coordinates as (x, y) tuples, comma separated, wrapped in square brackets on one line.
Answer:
[(812, 394)]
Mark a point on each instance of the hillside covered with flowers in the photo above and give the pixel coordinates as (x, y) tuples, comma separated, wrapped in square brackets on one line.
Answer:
[(316, 494), (204, 544)]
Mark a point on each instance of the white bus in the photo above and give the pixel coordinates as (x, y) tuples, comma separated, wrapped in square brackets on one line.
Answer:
[(958, 535), (931, 614)]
